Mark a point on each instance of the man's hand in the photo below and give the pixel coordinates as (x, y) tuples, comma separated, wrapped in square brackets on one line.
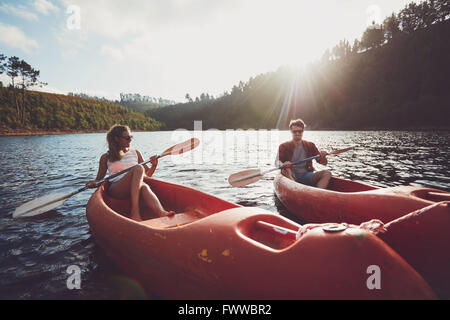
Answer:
[(288, 165), (323, 154), (323, 157)]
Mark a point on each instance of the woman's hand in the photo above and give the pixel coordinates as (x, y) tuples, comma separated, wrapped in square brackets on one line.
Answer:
[(154, 161), (91, 184)]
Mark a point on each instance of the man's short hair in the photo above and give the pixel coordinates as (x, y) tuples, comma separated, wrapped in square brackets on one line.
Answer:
[(297, 123)]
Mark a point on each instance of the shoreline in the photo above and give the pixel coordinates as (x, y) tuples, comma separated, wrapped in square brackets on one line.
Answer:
[(11, 133), (21, 132)]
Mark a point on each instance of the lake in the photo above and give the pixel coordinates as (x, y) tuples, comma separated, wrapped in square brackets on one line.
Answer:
[(35, 252)]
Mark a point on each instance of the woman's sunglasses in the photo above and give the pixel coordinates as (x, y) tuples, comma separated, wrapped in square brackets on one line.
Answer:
[(297, 131), (128, 138)]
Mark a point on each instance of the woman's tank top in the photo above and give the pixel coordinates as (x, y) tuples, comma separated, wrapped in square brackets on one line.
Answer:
[(129, 159)]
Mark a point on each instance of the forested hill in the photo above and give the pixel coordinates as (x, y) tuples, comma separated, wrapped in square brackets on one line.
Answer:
[(41, 111), (396, 77)]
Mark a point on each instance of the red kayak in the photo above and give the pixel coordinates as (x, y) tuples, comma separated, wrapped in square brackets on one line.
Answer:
[(416, 220), (214, 249), (353, 202)]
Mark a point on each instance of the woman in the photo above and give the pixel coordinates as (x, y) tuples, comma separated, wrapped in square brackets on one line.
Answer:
[(120, 157)]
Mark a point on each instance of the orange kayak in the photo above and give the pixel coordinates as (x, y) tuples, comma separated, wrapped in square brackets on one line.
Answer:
[(353, 202), (416, 221), (214, 249)]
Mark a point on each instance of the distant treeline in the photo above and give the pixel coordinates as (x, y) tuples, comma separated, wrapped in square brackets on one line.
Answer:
[(88, 96), (137, 98), (395, 77), (134, 101), (140, 103)]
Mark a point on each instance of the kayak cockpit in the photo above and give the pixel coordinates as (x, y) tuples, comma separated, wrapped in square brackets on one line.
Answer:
[(343, 185), (189, 204)]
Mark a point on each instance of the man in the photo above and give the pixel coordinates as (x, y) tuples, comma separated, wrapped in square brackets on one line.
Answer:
[(298, 149)]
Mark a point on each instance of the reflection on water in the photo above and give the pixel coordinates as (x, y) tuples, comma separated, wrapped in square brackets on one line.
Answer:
[(36, 252)]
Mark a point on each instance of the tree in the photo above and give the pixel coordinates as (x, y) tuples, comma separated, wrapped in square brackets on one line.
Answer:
[(188, 98), (29, 77), (410, 19), (12, 70), (428, 13), (391, 26), (2, 63), (342, 50), (356, 46), (441, 8), (373, 37)]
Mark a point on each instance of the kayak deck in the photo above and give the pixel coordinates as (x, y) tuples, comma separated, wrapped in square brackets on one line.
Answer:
[(177, 220)]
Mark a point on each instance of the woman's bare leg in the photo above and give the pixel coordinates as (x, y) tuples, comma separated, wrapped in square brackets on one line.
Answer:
[(130, 186), (152, 201)]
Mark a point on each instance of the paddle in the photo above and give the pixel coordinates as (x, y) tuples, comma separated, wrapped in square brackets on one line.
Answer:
[(247, 177), (52, 201)]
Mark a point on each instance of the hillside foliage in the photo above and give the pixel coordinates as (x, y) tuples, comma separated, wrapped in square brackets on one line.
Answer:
[(47, 111)]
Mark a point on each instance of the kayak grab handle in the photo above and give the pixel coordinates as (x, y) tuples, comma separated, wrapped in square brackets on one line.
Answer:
[(277, 230)]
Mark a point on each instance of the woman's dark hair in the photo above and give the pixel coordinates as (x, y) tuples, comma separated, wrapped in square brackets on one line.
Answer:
[(114, 152)]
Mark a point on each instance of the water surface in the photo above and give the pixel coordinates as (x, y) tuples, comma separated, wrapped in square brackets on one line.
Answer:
[(35, 253)]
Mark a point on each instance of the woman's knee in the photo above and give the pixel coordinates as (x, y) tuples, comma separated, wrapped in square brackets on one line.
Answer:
[(138, 170), (145, 188)]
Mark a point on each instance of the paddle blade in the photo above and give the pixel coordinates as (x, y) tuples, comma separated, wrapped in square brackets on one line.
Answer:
[(341, 150), (182, 147), (40, 205), (244, 178)]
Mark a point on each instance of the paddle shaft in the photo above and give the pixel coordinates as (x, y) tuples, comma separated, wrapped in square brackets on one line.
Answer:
[(259, 173), (296, 162), (176, 149), (85, 188), (273, 169), (311, 158)]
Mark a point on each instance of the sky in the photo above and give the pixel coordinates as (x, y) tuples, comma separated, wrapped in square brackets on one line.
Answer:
[(167, 48)]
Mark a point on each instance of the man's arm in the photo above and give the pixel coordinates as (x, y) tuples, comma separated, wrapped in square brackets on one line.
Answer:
[(279, 162)]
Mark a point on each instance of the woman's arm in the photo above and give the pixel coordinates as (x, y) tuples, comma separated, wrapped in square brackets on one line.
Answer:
[(154, 161), (101, 171)]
